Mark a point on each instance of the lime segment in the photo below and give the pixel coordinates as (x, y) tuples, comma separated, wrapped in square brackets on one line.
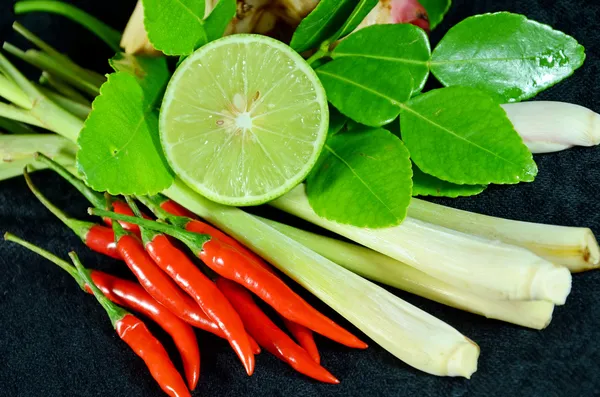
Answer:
[(243, 120)]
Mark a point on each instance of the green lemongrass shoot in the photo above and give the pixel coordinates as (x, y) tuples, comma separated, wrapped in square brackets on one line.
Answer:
[(44, 112), (12, 93), (109, 35), (487, 268), (15, 127), (378, 267), (76, 108), (547, 126), (59, 86), (573, 247), (410, 334)]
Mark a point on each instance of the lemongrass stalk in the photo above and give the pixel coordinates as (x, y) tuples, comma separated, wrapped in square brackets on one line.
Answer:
[(55, 57), (16, 147), (15, 168), (491, 269), (15, 127), (44, 62), (76, 108), (51, 81), (17, 114), (407, 332), (12, 93), (109, 35), (573, 247), (547, 126), (386, 270), (44, 112)]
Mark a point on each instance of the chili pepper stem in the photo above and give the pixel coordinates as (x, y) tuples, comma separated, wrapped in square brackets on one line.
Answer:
[(115, 313), (193, 240), (51, 257), (147, 235), (154, 202), (80, 228), (93, 197)]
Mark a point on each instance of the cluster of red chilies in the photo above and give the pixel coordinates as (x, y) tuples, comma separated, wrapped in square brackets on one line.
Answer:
[(175, 293)]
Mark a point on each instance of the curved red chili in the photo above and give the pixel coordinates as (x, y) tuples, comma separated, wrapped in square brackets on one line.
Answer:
[(98, 238), (305, 338), (270, 336), (229, 262), (183, 271), (175, 209), (132, 296), (134, 332)]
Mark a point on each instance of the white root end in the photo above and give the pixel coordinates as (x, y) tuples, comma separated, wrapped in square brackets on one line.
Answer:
[(552, 285), (463, 362), (547, 126)]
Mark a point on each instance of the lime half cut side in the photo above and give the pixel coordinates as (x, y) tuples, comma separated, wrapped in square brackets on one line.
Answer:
[(243, 120)]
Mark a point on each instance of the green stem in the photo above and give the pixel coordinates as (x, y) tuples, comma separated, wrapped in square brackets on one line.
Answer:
[(15, 127), (11, 92), (52, 258), (56, 57), (95, 198), (17, 114), (194, 241), (45, 62), (147, 235), (15, 168), (76, 108), (109, 35), (154, 202), (46, 113), (80, 228), (321, 53), (115, 313), (63, 88)]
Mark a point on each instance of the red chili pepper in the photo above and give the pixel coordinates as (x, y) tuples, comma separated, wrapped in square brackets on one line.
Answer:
[(183, 271), (230, 263), (305, 338), (134, 332), (270, 336), (96, 237), (303, 335), (132, 296), (95, 198)]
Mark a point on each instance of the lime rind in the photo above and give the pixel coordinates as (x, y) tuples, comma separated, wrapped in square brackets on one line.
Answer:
[(285, 134)]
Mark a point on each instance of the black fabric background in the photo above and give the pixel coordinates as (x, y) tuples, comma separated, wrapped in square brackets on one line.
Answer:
[(57, 341)]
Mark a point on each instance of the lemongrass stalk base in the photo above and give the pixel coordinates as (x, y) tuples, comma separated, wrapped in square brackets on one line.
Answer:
[(386, 270), (412, 335), (489, 269), (573, 247)]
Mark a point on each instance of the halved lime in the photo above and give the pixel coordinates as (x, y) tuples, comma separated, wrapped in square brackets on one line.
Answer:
[(243, 120)]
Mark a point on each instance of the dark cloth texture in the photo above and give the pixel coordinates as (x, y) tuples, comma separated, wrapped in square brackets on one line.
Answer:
[(56, 341)]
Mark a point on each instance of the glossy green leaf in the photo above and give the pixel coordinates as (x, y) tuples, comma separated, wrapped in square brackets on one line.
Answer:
[(436, 10), (462, 135), (120, 148), (393, 45), (337, 121), (178, 27), (216, 22), (506, 55), (428, 185), (362, 178), (322, 23), (352, 89), (360, 12)]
